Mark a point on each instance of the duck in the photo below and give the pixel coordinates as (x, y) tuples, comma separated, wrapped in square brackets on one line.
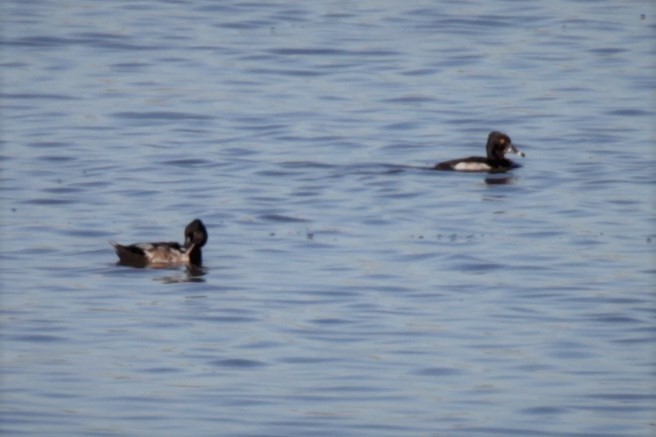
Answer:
[(498, 145), (166, 254)]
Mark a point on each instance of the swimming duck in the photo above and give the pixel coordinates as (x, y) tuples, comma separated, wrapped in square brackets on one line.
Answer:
[(498, 144), (169, 254)]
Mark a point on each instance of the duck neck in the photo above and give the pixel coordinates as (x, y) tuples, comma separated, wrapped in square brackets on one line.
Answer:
[(195, 255), (501, 162)]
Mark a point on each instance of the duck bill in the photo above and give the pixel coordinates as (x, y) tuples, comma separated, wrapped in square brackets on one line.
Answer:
[(512, 149)]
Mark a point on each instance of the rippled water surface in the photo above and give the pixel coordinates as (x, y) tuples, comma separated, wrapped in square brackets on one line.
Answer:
[(347, 289)]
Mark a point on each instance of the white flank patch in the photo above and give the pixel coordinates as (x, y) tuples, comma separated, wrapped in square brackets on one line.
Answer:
[(471, 166)]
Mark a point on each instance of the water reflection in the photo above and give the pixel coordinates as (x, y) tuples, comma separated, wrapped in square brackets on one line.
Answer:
[(191, 274), (500, 180)]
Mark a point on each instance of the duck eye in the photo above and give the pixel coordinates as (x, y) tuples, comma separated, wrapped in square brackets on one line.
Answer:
[(502, 141)]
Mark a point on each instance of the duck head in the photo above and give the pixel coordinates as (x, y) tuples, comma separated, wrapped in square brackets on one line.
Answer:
[(498, 144)]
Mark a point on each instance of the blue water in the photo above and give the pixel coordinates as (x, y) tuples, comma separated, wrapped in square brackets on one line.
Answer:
[(347, 290)]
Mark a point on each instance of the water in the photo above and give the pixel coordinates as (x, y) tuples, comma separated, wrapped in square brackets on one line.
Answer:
[(346, 290)]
